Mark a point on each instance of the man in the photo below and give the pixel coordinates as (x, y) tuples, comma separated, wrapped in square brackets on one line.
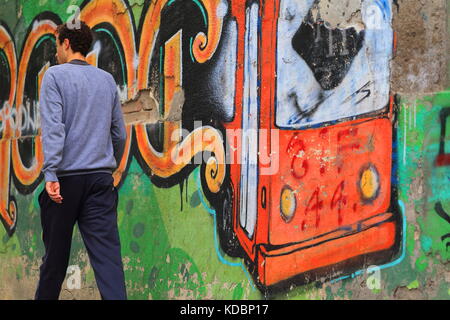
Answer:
[(84, 136)]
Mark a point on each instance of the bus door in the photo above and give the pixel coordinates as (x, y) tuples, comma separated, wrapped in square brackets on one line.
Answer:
[(248, 186)]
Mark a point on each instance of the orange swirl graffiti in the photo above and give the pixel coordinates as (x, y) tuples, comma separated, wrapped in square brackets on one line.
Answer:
[(151, 26), (7, 46), (7, 210), (177, 154), (204, 46), (25, 175), (117, 175)]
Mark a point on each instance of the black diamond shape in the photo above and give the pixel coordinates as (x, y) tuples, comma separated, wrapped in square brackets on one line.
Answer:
[(328, 52)]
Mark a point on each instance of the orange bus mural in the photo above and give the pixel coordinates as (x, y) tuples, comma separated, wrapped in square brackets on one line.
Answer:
[(332, 205)]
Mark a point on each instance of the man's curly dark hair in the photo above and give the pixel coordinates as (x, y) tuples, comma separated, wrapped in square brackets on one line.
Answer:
[(80, 38)]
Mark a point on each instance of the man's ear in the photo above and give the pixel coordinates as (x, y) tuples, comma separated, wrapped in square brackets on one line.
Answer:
[(66, 43)]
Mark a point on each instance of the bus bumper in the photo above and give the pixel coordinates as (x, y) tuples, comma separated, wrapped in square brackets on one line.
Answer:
[(372, 235)]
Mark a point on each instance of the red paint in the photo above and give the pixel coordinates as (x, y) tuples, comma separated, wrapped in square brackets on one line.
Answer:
[(338, 200), (314, 205), (443, 160)]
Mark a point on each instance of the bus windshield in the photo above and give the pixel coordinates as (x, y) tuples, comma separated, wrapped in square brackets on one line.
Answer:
[(326, 73)]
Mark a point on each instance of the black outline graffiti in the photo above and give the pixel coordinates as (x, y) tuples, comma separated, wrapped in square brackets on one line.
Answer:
[(444, 215)]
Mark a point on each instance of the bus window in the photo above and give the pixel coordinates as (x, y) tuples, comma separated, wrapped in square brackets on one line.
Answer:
[(331, 71)]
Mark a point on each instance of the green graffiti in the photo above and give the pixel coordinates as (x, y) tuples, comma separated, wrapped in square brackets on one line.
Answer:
[(413, 285)]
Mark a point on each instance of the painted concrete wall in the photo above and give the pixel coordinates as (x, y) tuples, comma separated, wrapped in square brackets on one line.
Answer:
[(285, 148)]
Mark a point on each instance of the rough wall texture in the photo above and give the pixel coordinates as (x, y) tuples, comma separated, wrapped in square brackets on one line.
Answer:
[(281, 148), (423, 47)]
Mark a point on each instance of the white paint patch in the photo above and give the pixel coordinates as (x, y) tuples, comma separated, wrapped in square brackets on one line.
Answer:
[(224, 74), (39, 23), (74, 279), (249, 167), (222, 9)]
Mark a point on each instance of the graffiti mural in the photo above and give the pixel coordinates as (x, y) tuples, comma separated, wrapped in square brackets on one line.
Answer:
[(272, 122)]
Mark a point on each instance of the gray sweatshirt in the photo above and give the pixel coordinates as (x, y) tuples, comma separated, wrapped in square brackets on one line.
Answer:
[(82, 125)]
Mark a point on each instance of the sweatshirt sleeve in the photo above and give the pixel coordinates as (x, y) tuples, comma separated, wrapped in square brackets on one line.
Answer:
[(118, 130), (52, 127)]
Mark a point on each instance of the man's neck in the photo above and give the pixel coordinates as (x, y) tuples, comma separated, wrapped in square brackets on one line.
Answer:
[(76, 57)]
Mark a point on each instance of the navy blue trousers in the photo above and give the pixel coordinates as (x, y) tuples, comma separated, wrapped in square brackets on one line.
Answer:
[(91, 200)]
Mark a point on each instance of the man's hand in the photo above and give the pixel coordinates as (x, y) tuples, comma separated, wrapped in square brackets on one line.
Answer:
[(53, 191)]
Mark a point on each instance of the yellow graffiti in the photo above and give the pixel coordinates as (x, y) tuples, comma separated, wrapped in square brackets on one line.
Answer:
[(369, 183)]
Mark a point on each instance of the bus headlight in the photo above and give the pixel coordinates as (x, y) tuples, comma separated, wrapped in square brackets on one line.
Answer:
[(369, 183), (287, 204)]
